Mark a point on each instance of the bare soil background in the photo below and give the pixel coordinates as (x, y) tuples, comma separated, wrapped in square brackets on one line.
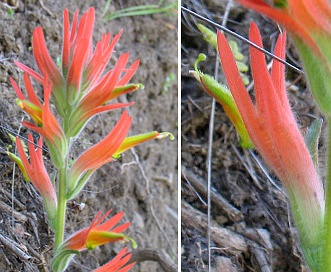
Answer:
[(251, 226), (143, 184)]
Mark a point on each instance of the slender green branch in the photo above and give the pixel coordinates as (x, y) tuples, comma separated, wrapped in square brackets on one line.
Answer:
[(62, 205), (326, 260)]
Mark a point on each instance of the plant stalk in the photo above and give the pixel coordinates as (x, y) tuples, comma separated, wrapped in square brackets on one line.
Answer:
[(62, 205), (326, 256)]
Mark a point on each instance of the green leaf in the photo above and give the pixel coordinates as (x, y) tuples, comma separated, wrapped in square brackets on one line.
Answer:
[(62, 259), (75, 186), (311, 138), (318, 72)]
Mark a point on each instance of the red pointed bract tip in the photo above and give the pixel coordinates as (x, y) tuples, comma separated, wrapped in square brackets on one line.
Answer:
[(118, 264), (45, 122), (44, 61), (37, 173), (303, 18), (49, 127), (96, 156), (102, 152), (97, 233), (101, 93), (32, 105), (80, 90)]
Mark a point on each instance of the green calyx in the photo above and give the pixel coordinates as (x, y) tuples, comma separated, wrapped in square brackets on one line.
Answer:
[(111, 237), (62, 259), (19, 163)]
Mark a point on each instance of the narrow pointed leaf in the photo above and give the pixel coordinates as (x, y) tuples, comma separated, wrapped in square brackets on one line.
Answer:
[(312, 137)]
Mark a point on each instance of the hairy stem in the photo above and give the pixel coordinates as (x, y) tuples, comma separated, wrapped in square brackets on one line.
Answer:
[(326, 260), (62, 205)]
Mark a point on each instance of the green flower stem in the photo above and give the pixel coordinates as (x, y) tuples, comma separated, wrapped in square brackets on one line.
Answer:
[(326, 260), (62, 205)]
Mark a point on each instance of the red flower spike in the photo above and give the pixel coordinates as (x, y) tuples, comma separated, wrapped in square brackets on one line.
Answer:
[(97, 110), (46, 123), (31, 93), (273, 131), (94, 102), (84, 84), (33, 107), (74, 26), (97, 156), (84, 32), (118, 264), (29, 71), (79, 89), (48, 70), (101, 93), (101, 56), (309, 23), (51, 129), (38, 176), (128, 74), (77, 50), (97, 234), (44, 61), (299, 16), (66, 42), (76, 72)]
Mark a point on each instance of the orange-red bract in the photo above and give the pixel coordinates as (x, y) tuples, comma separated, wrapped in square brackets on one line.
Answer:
[(275, 134)]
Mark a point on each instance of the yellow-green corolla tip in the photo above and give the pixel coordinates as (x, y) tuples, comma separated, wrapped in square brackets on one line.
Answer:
[(166, 134), (201, 57), (141, 86), (196, 72), (133, 242)]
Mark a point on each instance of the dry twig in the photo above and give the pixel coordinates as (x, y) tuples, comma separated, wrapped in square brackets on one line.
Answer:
[(156, 256)]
